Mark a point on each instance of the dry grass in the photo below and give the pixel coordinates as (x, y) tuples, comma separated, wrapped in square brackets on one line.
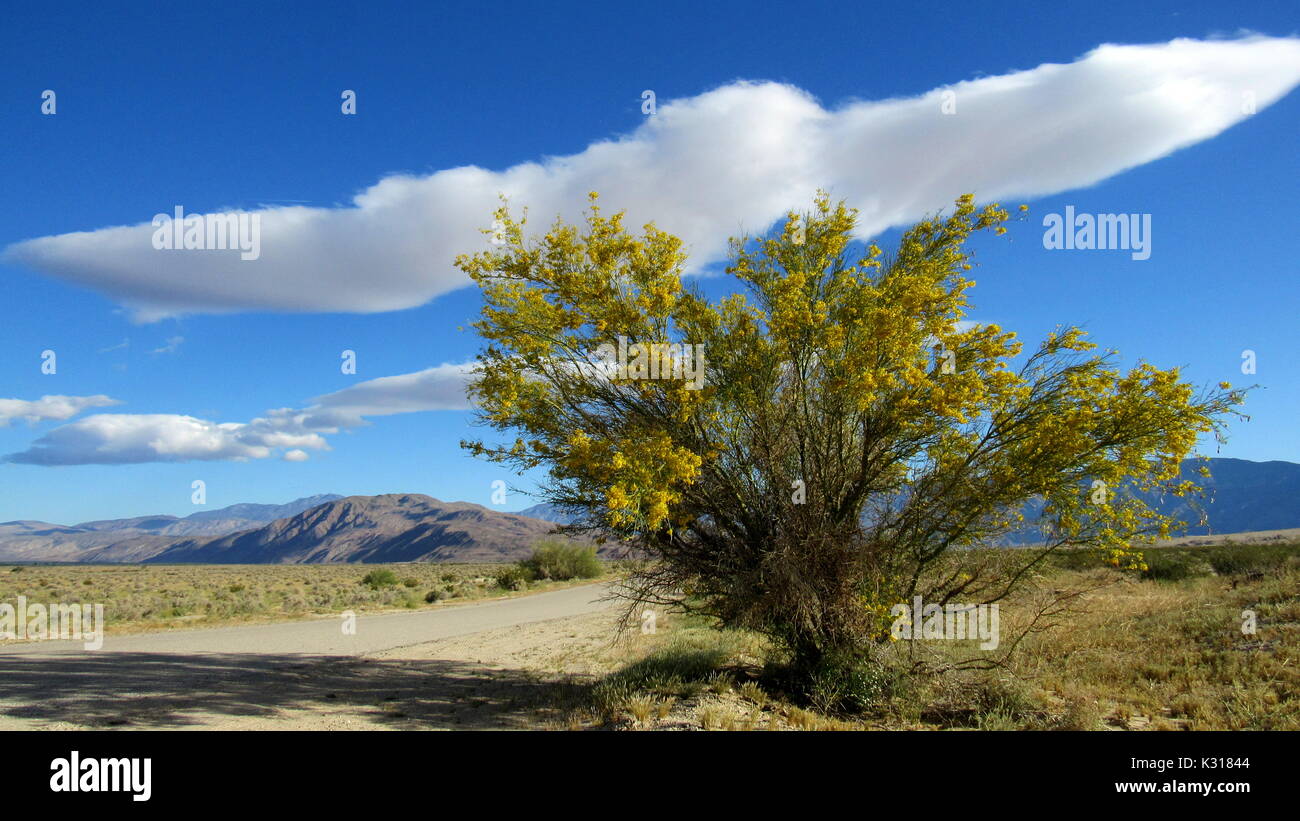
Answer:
[(152, 597), (1164, 652), (1155, 653)]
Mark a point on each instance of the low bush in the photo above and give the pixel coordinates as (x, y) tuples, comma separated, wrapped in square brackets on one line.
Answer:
[(383, 577), (514, 577), (850, 685), (561, 561), (1178, 563)]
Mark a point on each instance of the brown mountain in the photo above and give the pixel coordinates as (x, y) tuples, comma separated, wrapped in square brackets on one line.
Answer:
[(29, 541), (136, 538), (208, 523), (395, 527)]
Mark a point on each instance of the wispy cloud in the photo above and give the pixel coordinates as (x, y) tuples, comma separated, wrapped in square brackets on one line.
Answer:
[(173, 345), (707, 166), (439, 388), (52, 407), (120, 438)]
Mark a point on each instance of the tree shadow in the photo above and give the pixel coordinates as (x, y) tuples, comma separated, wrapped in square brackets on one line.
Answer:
[(170, 690)]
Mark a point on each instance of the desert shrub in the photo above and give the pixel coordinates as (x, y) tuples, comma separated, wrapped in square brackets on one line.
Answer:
[(1080, 714), (1231, 560), (514, 577), (1007, 697), (1175, 566), (755, 694), (383, 577), (831, 371), (678, 670), (435, 596), (410, 581), (849, 684), (686, 666), (1178, 563), (561, 561)]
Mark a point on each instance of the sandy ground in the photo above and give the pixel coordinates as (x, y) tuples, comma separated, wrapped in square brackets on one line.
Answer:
[(506, 677), (499, 679), (1250, 537)]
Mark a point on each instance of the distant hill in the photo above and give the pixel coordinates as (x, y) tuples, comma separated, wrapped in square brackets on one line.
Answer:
[(1240, 497), (135, 538), (28, 541), (217, 522), (397, 527), (547, 513), (388, 528), (1244, 496)]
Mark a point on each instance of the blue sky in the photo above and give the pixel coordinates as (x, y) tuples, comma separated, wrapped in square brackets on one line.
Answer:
[(239, 108)]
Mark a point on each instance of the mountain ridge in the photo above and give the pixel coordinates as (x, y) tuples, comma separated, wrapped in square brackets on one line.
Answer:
[(396, 527), (392, 527)]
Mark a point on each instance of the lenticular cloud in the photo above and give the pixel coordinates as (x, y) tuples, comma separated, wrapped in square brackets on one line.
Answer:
[(125, 438), (707, 167)]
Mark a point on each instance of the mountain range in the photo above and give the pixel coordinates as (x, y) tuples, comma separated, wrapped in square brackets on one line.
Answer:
[(1241, 496), (393, 527), (136, 538), (399, 527)]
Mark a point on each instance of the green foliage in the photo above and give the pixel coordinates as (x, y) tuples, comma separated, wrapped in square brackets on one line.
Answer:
[(140, 597), (843, 373), (1006, 699), (561, 561), (514, 577), (846, 683), (382, 577), (1177, 563)]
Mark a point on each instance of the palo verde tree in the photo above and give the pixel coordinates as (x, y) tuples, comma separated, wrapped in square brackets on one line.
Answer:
[(850, 430)]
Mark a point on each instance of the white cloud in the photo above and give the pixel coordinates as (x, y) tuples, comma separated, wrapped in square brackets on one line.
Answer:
[(440, 388), (708, 166), (50, 407), (173, 345), (137, 438), (122, 438)]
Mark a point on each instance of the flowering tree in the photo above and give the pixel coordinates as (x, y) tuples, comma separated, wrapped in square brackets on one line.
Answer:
[(849, 432)]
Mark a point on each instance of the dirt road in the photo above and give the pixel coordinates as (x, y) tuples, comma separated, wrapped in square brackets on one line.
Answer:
[(455, 667)]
